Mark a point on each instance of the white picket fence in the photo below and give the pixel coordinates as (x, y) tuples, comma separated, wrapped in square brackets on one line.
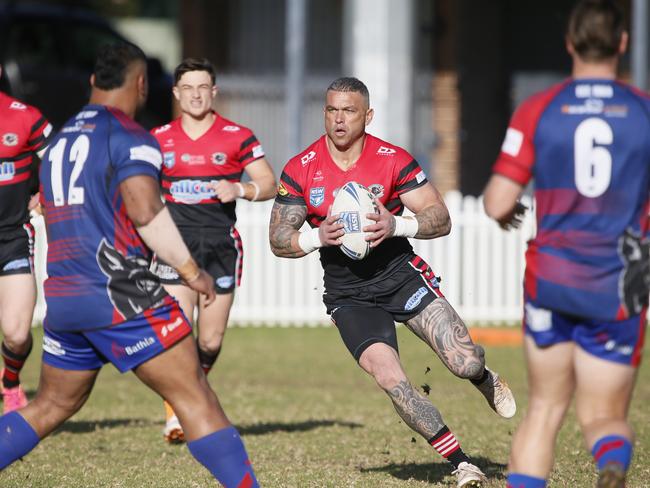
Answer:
[(481, 268)]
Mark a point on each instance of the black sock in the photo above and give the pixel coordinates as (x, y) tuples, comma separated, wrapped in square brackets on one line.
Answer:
[(445, 443), (207, 359), (13, 364), (483, 377)]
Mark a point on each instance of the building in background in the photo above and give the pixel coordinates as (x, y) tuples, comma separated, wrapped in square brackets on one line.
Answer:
[(444, 75)]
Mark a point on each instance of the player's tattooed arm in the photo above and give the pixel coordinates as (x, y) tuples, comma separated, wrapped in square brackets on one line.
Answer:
[(286, 221), (440, 326), (430, 211), (418, 412), (433, 221)]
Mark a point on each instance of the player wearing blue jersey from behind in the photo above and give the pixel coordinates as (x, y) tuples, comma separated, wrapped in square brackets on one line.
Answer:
[(586, 144), (101, 200)]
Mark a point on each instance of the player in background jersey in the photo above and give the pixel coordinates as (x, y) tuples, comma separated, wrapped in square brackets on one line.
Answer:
[(204, 156), (24, 135), (365, 298), (103, 210), (586, 144)]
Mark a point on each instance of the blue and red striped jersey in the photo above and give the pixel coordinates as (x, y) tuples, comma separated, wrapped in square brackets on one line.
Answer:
[(586, 144), (97, 264)]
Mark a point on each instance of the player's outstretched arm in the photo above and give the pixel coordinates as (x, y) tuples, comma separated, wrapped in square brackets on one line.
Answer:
[(501, 201), (286, 239), (141, 196)]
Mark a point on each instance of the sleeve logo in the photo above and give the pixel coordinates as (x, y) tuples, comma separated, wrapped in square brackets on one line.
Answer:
[(282, 191), (10, 139), (513, 141), (258, 151)]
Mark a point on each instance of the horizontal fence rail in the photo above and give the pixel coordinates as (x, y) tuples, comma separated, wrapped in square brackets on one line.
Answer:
[(481, 267)]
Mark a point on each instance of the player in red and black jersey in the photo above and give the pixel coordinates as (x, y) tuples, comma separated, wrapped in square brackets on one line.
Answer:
[(24, 135), (365, 298), (204, 157)]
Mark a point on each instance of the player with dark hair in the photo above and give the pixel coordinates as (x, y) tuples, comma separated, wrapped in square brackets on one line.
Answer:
[(24, 135), (586, 144), (204, 156), (103, 210), (364, 298)]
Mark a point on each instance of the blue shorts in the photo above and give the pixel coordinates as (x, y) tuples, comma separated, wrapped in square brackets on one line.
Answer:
[(619, 341), (126, 345)]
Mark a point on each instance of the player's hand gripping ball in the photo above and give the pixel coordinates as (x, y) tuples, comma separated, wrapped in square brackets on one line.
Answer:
[(352, 202)]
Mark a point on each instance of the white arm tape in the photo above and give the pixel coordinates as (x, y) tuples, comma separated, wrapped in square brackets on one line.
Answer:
[(163, 238), (405, 227), (257, 191), (241, 191), (309, 240)]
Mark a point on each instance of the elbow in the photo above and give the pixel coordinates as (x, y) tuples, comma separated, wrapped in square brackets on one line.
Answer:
[(494, 210)]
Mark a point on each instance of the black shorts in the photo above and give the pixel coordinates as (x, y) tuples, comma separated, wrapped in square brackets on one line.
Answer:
[(367, 315), (217, 250), (17, 251)]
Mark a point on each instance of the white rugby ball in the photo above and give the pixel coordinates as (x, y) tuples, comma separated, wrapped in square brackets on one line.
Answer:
[(352, 202)]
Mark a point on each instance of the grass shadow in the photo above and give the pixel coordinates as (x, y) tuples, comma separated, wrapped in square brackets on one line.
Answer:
[(435, 472), (263, 428), (83, 426)]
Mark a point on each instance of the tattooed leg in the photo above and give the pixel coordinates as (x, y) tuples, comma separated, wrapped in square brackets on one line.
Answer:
[(417, 411), (440, 326), (382, 363)]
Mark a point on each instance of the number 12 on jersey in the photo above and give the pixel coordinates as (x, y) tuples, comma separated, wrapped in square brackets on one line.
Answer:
[(77, 156)]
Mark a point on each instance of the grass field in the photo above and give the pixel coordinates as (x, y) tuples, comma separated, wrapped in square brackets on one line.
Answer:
[(309, 418)]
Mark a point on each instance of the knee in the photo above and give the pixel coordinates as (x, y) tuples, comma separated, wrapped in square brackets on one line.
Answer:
[(548, 412), (470, 366), (211, 345), (18, 339)]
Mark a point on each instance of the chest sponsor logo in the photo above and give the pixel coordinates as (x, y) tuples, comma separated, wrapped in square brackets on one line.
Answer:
[(191, 191), (10, 139), (230, 128), (318, 176), (351, 222), (219, 158), (17, 106), (307, 158), (282, 191), (225, 281), (193, 159), (168, 143), (415, 299), (7, 171), (162, 128), (258, 151), (169, 328), (377, 190), (386, 151), (317, 196), (169, 159)]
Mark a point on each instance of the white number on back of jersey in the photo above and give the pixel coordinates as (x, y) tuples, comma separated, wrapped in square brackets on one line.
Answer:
[(593, 164), (78, 155)]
